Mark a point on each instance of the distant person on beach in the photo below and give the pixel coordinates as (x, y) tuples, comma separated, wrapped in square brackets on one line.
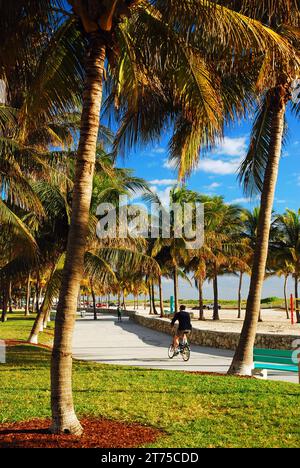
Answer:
[(119, 311)]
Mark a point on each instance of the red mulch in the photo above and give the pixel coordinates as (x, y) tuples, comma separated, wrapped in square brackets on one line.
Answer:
[(98, 433)]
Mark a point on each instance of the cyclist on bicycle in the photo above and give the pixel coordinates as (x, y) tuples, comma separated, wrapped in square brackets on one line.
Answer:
[(184, 328)]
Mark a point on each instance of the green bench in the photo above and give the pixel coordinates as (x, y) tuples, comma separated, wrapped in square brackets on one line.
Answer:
[(275, 359)]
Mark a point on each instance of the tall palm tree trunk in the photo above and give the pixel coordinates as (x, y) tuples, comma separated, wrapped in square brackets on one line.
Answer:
[(200, 291), (94, 300), (124, 303), (64, 419), (38, 325), (153, 299), (285, 297), (47, 318), (243, 359), (297, 297), (4, 305), (216, 296), (150, 300), (161, 299), (32, 301), (10, 297), (240, 296), (36, 305), (27, 309), (176, 300), (39, 299)]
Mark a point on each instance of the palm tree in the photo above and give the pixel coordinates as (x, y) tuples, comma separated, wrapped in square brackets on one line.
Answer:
[(111, 26), (274, 113), (245, 254), (172, 250), (250, 222), (197, 265), (51, 236), (260, 168), (289, 254), (52, 289), (27, 311), (281, 267), (33, 117), (261, 164), (224, 225)]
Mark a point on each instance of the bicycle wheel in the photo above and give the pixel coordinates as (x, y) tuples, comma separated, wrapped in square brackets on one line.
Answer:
[(171, 351), (186, 353)]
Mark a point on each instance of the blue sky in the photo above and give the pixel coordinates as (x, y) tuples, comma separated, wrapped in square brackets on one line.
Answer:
[(216, 174), (217, 171)]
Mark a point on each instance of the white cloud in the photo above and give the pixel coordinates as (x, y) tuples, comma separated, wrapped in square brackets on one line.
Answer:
[(281, 202), (232, 147), (164, 195), (169, 164), (237, 201), (163, 182), (159, 150), (218, 166), (244, 200), (212, 186), (235, 148)]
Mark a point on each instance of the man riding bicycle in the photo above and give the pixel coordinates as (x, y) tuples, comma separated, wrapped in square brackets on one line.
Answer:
[(184, 328)]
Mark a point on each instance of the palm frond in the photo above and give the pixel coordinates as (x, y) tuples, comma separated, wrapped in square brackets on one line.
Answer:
[(252, 169), (11, 223), (58, 78), (96, 268), (132, 260)]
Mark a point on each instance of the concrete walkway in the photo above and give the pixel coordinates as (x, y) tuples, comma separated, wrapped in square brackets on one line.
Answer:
[(126, 343)]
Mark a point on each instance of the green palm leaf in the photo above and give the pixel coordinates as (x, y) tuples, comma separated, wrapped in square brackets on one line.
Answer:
[(252, 169)]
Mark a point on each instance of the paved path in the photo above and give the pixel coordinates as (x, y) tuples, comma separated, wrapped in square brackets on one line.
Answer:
[(126, 343)]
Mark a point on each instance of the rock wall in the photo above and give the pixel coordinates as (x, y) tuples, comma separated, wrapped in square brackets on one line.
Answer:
[(216, 339)]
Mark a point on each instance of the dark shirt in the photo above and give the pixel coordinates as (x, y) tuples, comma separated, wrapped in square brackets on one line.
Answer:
[(184, 320)]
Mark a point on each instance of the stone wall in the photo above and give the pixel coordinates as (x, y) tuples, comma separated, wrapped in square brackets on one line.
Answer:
[(216, 339)]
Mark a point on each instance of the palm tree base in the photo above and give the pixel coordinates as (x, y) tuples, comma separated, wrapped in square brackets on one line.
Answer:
[(240, 368), (33, 339), (66, 424)]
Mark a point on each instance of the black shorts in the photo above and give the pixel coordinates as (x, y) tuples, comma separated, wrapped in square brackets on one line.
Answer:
[(181, 333)]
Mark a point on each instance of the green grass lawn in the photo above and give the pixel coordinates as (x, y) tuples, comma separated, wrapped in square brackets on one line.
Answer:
[(193, 410), (18, 327)]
